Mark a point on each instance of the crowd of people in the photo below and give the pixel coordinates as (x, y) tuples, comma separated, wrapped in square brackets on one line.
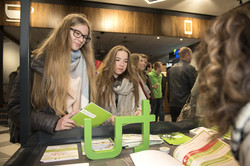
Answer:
[(64, 80)]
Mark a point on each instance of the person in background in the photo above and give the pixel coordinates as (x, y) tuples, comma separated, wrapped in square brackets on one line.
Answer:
[(63, 77), (155, 77), (181, 78), (223, 59), (163, 89), (190, 112), (139, 63), (148, 68), (12, 77), (118, 84), (145, 59)]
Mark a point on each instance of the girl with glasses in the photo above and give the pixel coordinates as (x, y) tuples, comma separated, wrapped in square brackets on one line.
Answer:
[(63, 77)]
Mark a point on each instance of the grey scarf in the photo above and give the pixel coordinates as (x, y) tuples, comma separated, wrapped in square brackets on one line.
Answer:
[(123, 94)]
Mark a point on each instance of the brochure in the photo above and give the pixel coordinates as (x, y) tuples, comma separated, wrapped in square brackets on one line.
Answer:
[(100, 144), (93, 111), (175, 138), (60, 153)]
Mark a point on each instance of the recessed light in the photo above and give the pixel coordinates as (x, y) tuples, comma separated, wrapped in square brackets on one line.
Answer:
[(153, 1), (158, 37)]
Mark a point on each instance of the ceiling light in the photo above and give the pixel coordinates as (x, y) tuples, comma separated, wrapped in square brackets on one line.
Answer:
[(32, 10), (181, 39), (158, 37), (153, 1)]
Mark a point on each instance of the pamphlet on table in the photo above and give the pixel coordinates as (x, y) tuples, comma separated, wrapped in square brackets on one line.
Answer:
[(60, 153), (175, 138), (100, 144)]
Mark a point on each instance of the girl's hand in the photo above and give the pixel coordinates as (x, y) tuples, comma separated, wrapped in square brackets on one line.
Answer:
[(112, 119), (65, 123), (138, 112), (155, 86)]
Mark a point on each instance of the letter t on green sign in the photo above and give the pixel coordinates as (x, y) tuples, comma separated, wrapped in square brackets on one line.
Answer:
[(145, 119)]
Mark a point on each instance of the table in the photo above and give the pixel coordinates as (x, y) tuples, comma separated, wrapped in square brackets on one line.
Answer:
[(31, 153)]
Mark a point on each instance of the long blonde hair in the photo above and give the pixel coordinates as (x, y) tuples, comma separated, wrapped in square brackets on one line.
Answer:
[(51, 88), (106, 80), (135, 58)]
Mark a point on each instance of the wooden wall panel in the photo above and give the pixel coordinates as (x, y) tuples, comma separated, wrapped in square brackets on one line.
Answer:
[(146, 23), (113, 20), (110, 20), (1, 13)]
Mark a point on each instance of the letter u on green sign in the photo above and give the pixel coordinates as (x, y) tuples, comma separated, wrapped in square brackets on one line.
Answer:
[(145, 119)]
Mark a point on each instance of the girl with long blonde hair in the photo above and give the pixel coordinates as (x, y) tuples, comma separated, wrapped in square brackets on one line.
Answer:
[(63, 75), (118, 85), (139, 62)]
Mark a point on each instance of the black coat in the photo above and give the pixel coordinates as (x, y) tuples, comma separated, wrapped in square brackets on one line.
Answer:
[(181, 78), (44, 120)]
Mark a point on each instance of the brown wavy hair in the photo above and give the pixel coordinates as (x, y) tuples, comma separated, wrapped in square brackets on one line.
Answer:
[(51, 88), (223, 59), (106, 80)]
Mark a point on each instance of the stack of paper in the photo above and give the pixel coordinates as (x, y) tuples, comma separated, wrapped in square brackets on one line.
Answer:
[(132, 140)]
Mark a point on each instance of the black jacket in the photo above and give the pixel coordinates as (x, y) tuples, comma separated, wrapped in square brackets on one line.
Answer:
[(44, 120), (181, 78)]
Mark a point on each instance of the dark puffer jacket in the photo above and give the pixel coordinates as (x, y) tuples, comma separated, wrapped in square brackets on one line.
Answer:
[(181, 78), (44, 120)]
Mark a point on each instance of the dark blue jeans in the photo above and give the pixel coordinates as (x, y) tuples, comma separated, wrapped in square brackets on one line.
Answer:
[(157, 109)]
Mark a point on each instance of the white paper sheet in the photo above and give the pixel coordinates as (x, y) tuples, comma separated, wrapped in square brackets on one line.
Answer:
[(153, 158)]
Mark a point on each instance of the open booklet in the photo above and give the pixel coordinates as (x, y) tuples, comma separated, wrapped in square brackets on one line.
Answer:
[(93, 111), (202, 150)]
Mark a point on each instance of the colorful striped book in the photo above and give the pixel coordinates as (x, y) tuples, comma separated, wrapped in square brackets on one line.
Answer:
[(205, 150)]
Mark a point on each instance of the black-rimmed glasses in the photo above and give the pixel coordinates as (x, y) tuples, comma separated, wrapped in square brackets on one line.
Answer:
[(78, 34)]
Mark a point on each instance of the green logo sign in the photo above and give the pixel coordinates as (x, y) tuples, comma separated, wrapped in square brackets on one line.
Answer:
[(145, 119)]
